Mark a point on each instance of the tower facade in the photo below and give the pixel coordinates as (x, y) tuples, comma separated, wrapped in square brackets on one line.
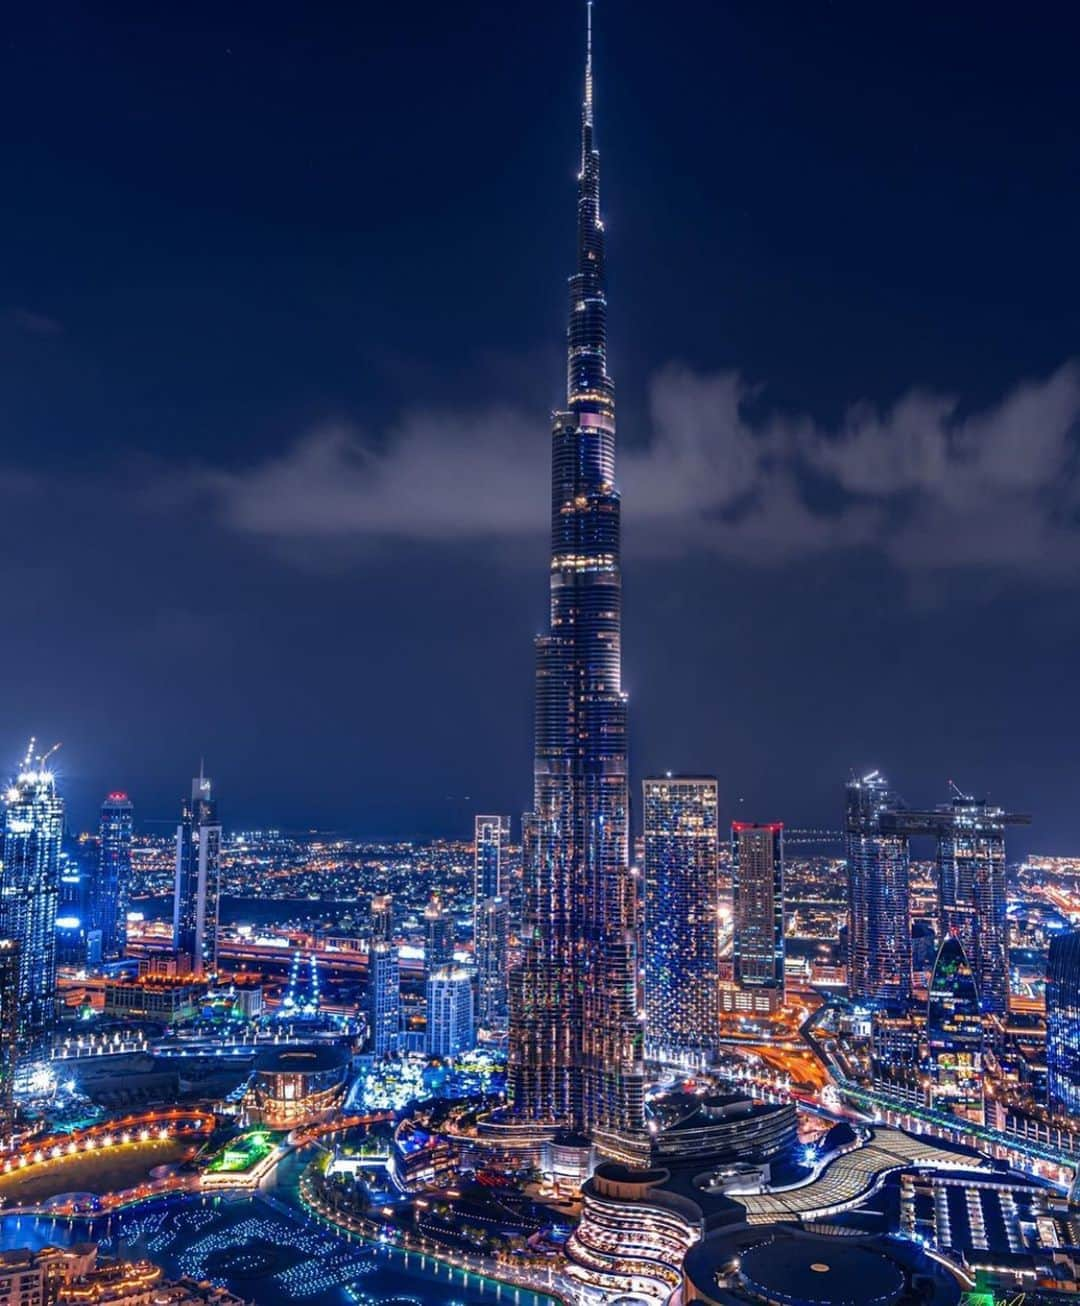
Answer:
[(438, 936), (113, 880), (9, 1033), (576, 1036), (197, 887), (492, 943), (682, 928), (757, 875), (954, 1034), (971, 871), (491, 837), (30, 895), (384, 998), (879, 893), (449, 1012), (1063, 1022)]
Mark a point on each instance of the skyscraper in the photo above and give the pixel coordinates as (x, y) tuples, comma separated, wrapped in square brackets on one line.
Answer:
[(30, 894), (682, 928), (1063, 1022), (438, 936), (879, 925), (954, 1034), (449, 1012), (757, 873), (492, 943), (382, 918), (112, 883), (197, 886), (971, 870), (9, 1033), (576, 1036), (492, 834), (384, 998)]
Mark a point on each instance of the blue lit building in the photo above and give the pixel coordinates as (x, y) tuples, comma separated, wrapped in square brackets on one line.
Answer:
[(197, 887), (879, 895), (491, 837), (757, 877), (9, 1032), (33, 826), (449, 1012), (438, 936), (682, 928), (112, 884), (576, 1037), (492, 944), (1063, 1022), (77, 945), (384, 999), (954, 1035)]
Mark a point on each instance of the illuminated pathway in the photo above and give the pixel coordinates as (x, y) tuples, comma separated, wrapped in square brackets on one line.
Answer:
[(149, 1126)]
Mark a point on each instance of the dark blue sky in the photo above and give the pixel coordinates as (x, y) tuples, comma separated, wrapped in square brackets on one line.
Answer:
[(280, 324)]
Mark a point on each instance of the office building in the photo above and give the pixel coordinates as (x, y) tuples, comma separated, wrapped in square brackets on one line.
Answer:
[(878, 923), (681, 911), (449, 1012), (382, 918), (576, 1039), (954, 1035), (438, 936), (112, 884), (197, 887), (9, 1032), (757, 877), (384, 999), (77, 943), (490, 842), (30, 895), (492, 941), (1063, 1023)]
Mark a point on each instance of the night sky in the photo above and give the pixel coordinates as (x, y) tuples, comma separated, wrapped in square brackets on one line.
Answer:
[(281, 320)]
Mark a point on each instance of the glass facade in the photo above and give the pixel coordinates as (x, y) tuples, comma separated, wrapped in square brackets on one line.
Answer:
[(9, 1032), (492, 835), (954, 1034), (197, 886), (576, 1035), (109, 907), (757, 877), (879, 879), (1063, 1022), (438, 936), (971, 869), (30, 896), (384, 999), (492, 942), (449, 1012), (682, 928)]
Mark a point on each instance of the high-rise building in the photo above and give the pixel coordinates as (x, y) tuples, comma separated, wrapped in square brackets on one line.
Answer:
[(954, 1035), (197, 887), (438, 936), (757, 876), (492, 942), (576, 1034), (30, 894), (449, 1012), (384, 998), (682, 926), (77, 943), (971, 871), (9, 1033), (878, 921), (112, 884), (382, 918), (492, 835), (1063, 1022)]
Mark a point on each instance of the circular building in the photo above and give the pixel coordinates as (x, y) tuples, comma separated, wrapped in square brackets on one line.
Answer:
[(819, 1273), (297, 1085)]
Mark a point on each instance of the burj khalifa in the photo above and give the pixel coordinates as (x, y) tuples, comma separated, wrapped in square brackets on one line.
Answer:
[(575, 1058)]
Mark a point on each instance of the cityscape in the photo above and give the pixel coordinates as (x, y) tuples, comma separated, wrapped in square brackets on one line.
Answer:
[(616, 1048)]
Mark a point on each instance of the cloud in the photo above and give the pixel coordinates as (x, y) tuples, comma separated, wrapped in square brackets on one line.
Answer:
[(36, 324), (925, 482)]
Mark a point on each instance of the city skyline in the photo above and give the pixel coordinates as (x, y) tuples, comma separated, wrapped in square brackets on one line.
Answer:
[(874, 292)]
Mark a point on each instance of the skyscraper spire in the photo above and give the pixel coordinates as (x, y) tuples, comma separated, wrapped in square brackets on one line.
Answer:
[(588, 65)]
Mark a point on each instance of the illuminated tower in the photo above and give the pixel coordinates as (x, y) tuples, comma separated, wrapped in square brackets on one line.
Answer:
[(1063, 1022), (682, 928), (112, 884), (438, 936), (492, 943), (449, 1012), (490, 842), (971, 869), (382, 918), (879, 924), (30, 895), (576, 1036), (197, 887), (384, 998), (9, 1032), (757, 873), (954, 1034)]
